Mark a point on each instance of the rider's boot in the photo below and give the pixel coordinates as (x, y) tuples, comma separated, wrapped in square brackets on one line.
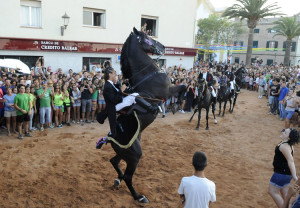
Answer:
[(238, 89), (232, 94), (146, 105), (214, 103)]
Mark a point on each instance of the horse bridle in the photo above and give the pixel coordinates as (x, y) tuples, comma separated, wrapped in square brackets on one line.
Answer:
[(139, 39), (202, 83)]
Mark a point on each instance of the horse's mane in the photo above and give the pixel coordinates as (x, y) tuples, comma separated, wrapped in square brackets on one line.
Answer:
[(125, 68), (239, 71)]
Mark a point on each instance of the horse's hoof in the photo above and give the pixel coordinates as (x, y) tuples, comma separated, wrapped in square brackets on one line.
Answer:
[(197, 128), (216, 121), (143, 199), (207, 128), (190, 121), (117, 182), (223, 115)]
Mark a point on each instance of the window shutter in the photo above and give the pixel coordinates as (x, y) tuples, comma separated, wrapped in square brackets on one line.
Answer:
[(268, 44), (276, 44), (284, 45)]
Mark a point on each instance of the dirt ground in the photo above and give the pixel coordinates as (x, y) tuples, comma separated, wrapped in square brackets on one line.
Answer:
[(62, 168)]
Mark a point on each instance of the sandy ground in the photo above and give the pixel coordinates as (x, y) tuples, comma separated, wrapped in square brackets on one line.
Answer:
[(62, 168)]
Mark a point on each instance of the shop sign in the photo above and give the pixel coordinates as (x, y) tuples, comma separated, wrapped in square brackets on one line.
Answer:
[(74, 46)]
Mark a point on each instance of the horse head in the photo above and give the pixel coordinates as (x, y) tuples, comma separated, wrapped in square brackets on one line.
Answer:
[(148, 44), (223, 80), (202, 86)]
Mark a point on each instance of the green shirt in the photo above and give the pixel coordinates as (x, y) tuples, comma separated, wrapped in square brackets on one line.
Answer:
[(32, 99), (22, 100), (67, 98), (57, 99), (95, 95), (45, 101)]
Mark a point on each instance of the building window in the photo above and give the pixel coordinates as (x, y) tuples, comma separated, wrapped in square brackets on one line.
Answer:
[(256, 30), (149, 25), (273, 45), (271, 31), (236, 60), (269, 62), (293, 46), (31, 14), (89, 62), (238, 45), (93, 17), (255, 44)]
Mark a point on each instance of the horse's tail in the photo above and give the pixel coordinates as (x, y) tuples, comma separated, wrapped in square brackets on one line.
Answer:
[(178, 89)]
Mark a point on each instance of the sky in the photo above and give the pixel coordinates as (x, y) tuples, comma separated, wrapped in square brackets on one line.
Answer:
[(288, 7)]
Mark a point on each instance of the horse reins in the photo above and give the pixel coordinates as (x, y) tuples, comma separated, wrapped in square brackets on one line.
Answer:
[(146, 98)]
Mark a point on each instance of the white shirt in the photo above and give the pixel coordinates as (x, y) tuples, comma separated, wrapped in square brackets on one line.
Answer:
[(198, 191), (204, 75), (28, 82)]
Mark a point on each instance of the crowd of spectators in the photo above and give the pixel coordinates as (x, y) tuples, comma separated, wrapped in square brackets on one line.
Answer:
[(63, 98), (280, 86)]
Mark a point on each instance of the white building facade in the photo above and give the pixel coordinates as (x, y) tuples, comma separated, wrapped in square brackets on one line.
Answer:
[(95, 32)]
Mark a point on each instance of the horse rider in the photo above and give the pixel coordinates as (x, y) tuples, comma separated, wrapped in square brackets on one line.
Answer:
[(210, 82), (113, 96), (230, 76)]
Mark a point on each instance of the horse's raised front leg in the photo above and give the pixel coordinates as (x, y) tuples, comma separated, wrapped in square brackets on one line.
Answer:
[(224, 108), (234, 101), (207, 111), (213, 112), (199, 117), (230, 102), (115, 161), (196, 109)]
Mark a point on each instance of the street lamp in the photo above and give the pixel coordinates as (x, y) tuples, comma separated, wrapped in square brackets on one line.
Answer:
[(66, 22)]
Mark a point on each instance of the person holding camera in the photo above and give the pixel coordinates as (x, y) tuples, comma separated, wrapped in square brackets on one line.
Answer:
[(44, 94), (290, 103), (86, 100), (95, 87)]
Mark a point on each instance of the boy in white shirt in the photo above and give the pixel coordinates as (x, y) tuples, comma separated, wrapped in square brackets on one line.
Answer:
[(197, 191)]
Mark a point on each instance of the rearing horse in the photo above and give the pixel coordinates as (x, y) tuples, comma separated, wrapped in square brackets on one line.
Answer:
[(146, 79)]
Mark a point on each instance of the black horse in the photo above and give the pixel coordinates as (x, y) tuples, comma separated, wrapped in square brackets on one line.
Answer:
[(204, 101), (238, 80), (146, 79), (224, 94)]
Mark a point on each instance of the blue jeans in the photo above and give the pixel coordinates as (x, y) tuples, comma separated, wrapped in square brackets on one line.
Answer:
[(275, 105), (43, 111), (282, 111)]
